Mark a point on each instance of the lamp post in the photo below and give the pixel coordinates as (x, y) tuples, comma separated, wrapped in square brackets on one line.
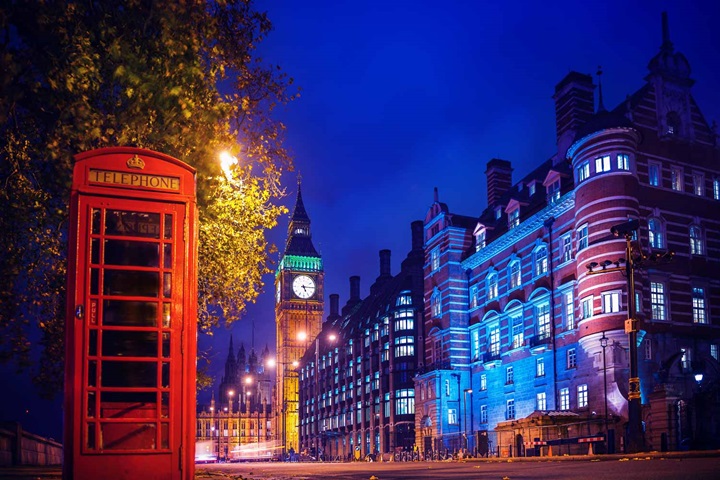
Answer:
[(332, 337), (465, 392), (230, 394), (212, 432), (604, 344)]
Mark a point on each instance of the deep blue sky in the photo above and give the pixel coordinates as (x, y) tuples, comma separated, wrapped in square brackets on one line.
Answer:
[(398, 97)]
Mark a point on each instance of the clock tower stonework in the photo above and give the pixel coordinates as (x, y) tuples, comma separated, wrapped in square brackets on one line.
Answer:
[(299, 309)]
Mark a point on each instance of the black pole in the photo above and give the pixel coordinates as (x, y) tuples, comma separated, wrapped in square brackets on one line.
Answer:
[(635, 439)]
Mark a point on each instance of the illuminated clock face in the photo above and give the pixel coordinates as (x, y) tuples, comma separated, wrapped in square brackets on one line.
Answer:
[(303, 286)]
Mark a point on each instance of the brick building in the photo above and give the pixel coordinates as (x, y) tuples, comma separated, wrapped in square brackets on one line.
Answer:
[(523, 343)]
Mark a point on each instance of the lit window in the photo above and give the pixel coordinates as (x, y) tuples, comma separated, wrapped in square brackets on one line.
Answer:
[(541, 261), (498, 213), (569, 309), (564, 399), (476, 343), (405, 402), (404, 320), (404, 346), (696, 242), (698, 305), (686, 359), (676, 179), (553, 191), (655, 234), (483, 382), (715, 352), (657, 301), (623, 162), (540, 367), (611, 302), (602, 164), (582, 396), (699, 184), (509, 375), (483, 414), (473, 296), (435, 303), (531, 189), (510, 410), (447, 388), (542, 315), (435, 258), (583, 171), (452, 416), (494, 340), (582, 237), (515, 275), (654, 174), (716, 188), (518, 336), (566, 241), (492, 286), (571, 358), (540, 401), (480, 239), (514, 218)]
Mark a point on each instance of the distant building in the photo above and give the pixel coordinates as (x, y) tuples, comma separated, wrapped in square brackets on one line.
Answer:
[(299, 311), (356, 380), (240, 423), (519, 335)]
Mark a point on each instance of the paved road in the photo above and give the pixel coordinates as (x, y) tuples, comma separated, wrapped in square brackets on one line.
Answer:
[(590, 469)]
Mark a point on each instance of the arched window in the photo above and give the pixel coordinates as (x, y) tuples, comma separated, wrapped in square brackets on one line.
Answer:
[(541, 260), (655, 233), (492, 286), (696, 242), (514, 274)]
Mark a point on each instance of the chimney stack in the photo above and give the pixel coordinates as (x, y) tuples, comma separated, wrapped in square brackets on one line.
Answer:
[(384, 263), (574, 105), (334, 310), (499, 179), (416, 229), (354, 288)]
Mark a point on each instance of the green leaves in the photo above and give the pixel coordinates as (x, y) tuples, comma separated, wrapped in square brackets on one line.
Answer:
[(87, 75)]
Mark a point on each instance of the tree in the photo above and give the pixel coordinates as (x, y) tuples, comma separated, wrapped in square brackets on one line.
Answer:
[(182, 78)]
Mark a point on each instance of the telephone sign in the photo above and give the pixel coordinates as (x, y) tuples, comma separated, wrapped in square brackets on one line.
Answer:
[(131, 317)]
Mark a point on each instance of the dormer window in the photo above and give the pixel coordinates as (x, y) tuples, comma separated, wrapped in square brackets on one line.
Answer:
[(553, 191), (531, 189), (514, 218), (498, 213), (480, 234)]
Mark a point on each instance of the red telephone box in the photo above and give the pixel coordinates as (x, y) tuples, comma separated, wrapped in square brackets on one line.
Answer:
[(131, 321)]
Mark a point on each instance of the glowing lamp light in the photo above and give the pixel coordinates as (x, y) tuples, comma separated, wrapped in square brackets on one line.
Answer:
[(248, 380), (270, 362), (295, 363), (332, 337), (226, 162), (698, 377), (302, 336)]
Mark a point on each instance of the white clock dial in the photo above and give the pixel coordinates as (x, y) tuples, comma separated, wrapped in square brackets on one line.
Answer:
[(303, 286)]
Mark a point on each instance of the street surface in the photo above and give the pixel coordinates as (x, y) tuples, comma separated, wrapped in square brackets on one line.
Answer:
[(591, 468)]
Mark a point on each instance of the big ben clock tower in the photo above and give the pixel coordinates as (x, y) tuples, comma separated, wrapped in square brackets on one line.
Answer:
[(299, 308)]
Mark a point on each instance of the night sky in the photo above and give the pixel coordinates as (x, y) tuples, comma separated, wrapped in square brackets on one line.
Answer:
[(398, 97)]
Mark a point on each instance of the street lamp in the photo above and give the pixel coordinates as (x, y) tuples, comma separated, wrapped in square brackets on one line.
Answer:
[(212, 433), (604, 344), (230, 394), (465, 392)]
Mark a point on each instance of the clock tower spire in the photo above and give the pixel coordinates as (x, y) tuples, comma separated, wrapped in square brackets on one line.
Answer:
[(299, 310)]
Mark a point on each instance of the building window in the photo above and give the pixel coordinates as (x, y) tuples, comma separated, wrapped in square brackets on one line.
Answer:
[(405, 402), (404, 346), (716, 188), (540, 401), (514, 218), (602, 164), (540, 367), (494, 340), (447, 388), (623, 162), (435, 258), (583, 171), (571, 358), (498, 213), (676, 179), (696, 242), (699, 184), (569, 309), (510, 410), (648, 349), (611, 301), (654, 174), (518, 335), (698, 305), (582, 396), (483, 382), (582, 237), (515, 275), (553, 191), (509, 375), (492, 286), (452, 416), (657, 301), (435, 303), (475, 344), (541, 261), (386, 352), (542, 315), (655, 233), (564, 399), (437, 351), (686, 359), (531, 189), (480, 239), (566, 241), (483, 414), (715, 352)]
